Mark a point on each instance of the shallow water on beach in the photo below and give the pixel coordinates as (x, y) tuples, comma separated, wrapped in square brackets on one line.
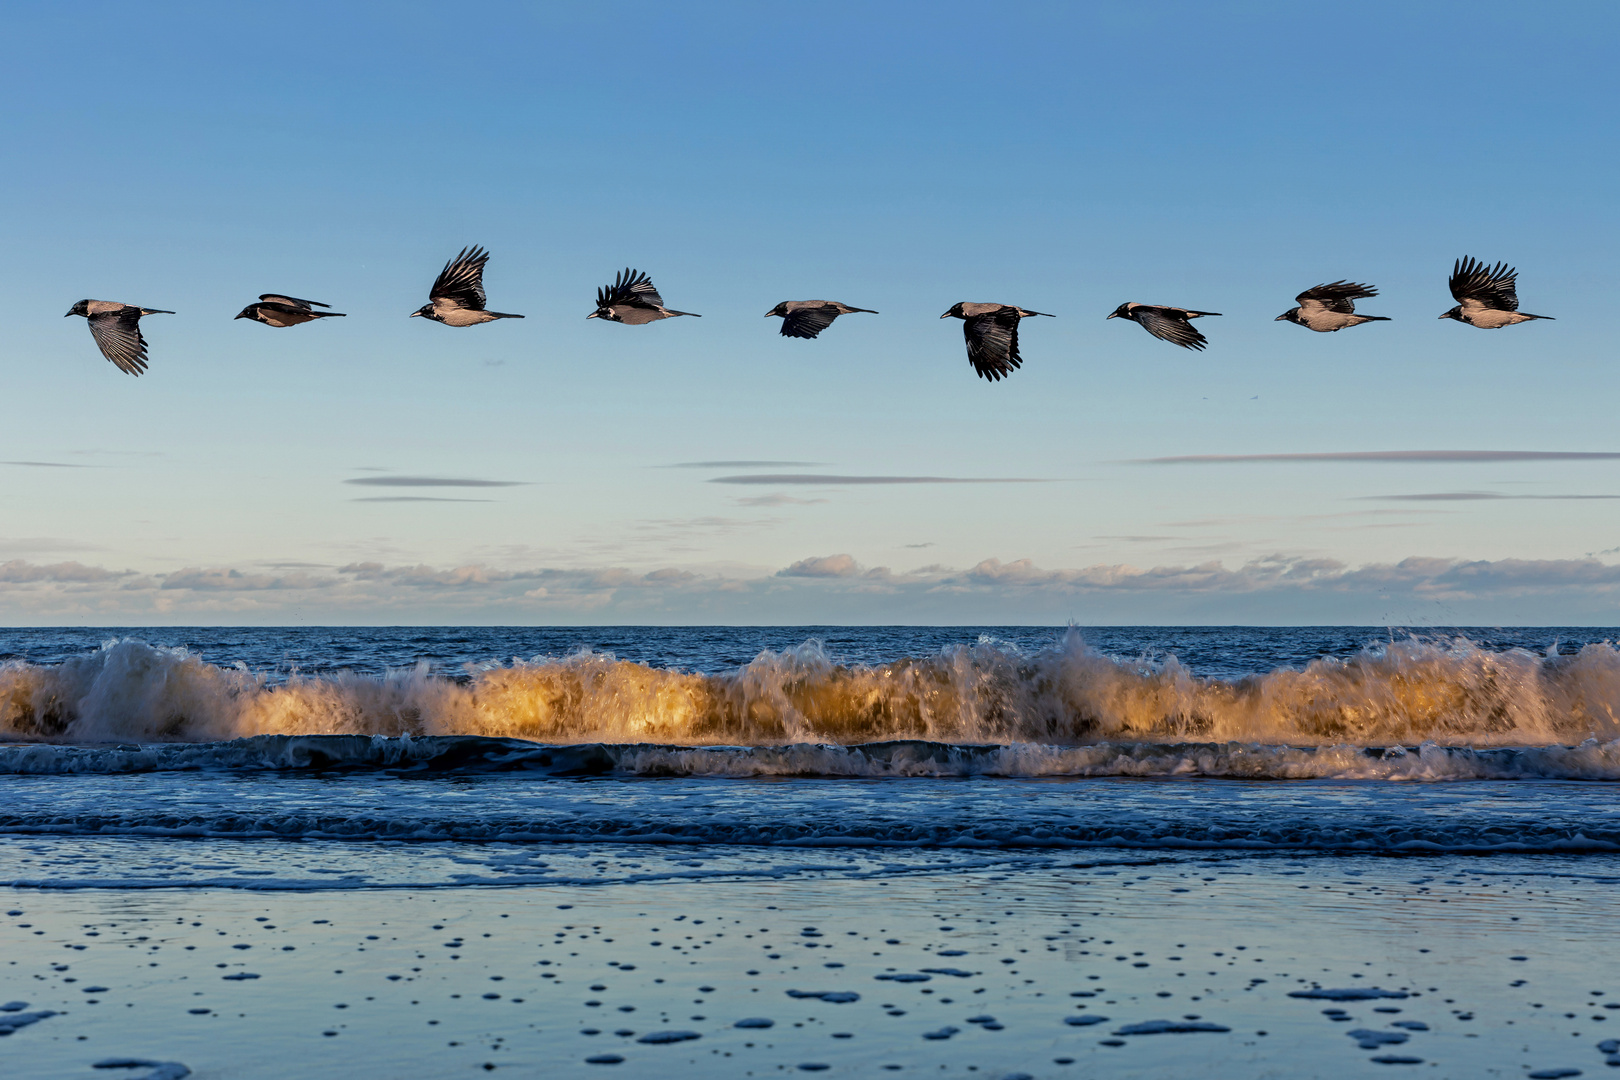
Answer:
[(251, 853)]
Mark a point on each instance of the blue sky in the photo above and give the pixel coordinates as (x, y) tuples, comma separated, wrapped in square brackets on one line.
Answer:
[(1062, 157)]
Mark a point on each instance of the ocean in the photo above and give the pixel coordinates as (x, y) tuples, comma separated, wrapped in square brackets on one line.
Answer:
[(717, 851)]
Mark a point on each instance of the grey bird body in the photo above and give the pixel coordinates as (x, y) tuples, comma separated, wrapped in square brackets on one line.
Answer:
[(991, 331), (807, 318), (117, 330), (1330, 307), (1487, 296), (1170, 324), (457, 297), (274, 309), (632, 299)]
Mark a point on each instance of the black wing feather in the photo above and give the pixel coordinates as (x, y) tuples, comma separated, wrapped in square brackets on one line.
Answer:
[(292, 301), (630, 287), (808, 322), (118, 336), (1494, 286), (992, 343), (1337, 295), (462, 280), (1176, 331)]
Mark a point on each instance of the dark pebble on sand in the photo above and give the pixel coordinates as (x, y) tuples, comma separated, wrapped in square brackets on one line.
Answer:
[(658, 1038)]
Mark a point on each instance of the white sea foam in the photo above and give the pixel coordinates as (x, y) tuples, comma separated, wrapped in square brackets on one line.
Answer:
[(1408, 692), (1589, 760)]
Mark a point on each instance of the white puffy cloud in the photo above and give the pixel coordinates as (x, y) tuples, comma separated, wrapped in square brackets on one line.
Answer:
[(826, 566), (830, 589)]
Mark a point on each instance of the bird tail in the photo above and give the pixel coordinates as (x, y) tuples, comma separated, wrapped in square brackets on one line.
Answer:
[(1376, 318), (1527, 315), (695, 315), (335, 314), (867, 310), (1196, 314), (160, 311), (501, 315)]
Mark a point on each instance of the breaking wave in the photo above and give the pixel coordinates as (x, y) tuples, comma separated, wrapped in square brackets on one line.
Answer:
[(1075, 703)]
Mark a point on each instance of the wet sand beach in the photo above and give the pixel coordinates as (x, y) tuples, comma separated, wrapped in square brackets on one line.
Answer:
[(1118, 965)]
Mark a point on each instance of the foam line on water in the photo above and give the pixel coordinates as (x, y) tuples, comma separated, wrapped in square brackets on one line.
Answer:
[(1589, 760)]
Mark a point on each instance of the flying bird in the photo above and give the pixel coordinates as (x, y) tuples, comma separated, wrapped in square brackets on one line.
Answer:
[(457, 297), (1330, 307), (991, 331), (117, 330), (632, 299), (1167, 323), (807, 318), (1487, 296), (273, 309)]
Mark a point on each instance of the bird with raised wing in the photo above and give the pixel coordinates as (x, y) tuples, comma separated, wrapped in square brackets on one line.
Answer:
[(808, 318), (991, 331), (274, 309), (1330, 307), (632, 299), (117, 330), (1166, 323), (457, 297), (1487, 296)]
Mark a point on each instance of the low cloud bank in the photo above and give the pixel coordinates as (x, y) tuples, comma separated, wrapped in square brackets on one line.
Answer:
[(830, 589)]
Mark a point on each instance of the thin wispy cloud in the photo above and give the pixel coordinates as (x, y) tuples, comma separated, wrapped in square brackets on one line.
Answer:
[(821, 480), (1472, 496), (416, 499), (430, 481), (775, 500), (1405, 456), (743, 465), (46, 465)]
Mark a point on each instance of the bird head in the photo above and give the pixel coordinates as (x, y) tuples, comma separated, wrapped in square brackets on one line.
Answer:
[(81, 308), (1291, 315), (1121, 312), (249, 312), (426, 311), (603, 312), (779, 309), (1455, 313), (956, 311)]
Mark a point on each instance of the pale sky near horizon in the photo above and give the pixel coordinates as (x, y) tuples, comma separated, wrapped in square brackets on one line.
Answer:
[(901, 157)]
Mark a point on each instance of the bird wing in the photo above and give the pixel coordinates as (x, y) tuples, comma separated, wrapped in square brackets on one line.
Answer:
[(118, 336), (1176, 331), (461, 282), (1336, 296), (1493, 286), (293, 301), (630, 287), (808, 322), (992, 343)]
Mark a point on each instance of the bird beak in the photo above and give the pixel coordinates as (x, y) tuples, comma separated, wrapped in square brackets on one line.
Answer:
[(768, 314), (1279, 318), (242, 316), (946, 315), (414, 314), (1113, 314), (69, 315), (1446, 316), (592, 315)]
